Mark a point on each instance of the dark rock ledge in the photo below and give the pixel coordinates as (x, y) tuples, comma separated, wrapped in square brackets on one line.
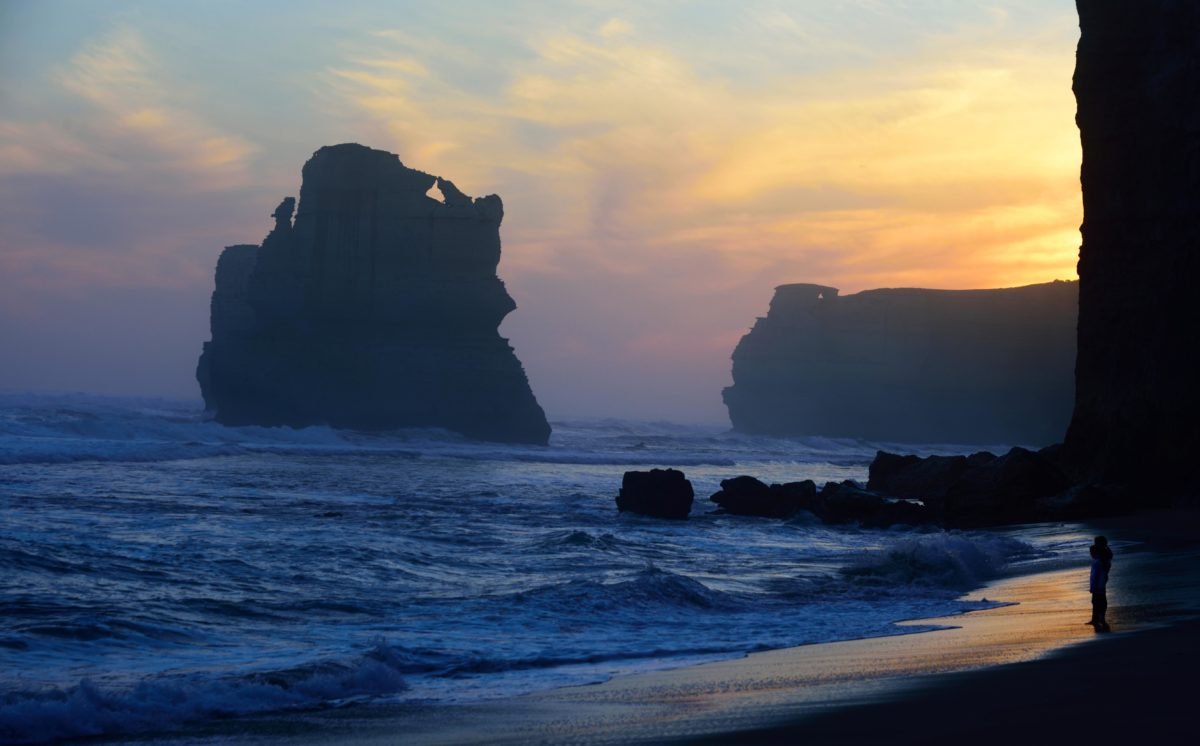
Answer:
[(975, 491)]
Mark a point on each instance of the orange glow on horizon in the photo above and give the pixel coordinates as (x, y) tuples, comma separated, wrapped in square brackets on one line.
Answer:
[(920, 174)]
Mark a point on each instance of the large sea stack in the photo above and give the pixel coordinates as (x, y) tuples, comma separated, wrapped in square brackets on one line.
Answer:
[(376, 308), (1137, 87), (910, 365)]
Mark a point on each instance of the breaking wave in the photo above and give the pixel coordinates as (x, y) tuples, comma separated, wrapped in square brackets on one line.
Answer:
[(90, 708), (941, 560), (650, 589)]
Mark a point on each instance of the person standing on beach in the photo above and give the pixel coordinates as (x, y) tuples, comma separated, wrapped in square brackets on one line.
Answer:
[(1098, 581)]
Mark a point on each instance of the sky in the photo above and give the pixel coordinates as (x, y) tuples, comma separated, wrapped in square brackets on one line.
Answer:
[(664, 165)]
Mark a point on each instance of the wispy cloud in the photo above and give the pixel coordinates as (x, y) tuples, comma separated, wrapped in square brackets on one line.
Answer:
[(119, 75), (634, 142), (40, 147), (132, 119), (112, 188)]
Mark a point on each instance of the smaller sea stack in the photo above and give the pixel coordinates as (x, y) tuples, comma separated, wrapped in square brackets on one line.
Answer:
[(910, 365)]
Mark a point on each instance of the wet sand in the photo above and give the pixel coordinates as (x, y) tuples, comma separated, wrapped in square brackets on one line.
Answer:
[(1027, 671)]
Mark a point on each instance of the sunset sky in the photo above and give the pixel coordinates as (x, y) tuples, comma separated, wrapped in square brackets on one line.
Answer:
[(664, 165)]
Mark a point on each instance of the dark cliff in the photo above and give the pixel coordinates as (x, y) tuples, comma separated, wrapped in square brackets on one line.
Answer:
[(910, 365), (1137, 88), (377, 307)]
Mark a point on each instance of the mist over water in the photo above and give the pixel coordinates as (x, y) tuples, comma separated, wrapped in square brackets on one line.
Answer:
[(161, 569)]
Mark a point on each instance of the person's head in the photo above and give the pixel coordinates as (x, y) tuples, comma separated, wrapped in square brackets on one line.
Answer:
[(1101, 541)]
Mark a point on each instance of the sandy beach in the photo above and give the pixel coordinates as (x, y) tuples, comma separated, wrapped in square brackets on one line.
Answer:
[(1031, 669)]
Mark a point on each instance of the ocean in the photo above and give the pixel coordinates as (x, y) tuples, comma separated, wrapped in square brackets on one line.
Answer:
[(161, 570)]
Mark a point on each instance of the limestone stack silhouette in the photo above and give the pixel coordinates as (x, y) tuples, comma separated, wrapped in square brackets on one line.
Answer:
[(910, 365), (376, 308), (1137, 88)]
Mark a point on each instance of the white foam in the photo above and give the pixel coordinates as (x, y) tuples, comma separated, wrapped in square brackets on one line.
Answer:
[(944, 559)]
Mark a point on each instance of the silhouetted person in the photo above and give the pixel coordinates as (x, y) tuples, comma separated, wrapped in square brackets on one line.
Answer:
[(1098, 581)]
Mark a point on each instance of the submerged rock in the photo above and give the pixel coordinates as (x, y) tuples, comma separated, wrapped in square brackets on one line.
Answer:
[(977, 490), (910, 365), (746, 495), (660, 493), (915, 477), (376, 308), (835, 503), (847, 502)]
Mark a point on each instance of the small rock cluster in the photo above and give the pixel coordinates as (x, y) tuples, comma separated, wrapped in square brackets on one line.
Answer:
[(982, 489), (836, 502)]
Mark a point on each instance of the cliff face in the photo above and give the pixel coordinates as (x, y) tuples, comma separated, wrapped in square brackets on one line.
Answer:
[(1137, 86), (910, 365), (377, 307)]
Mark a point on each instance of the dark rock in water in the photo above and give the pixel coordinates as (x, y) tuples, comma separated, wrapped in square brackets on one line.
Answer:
[(915, 477), (837, 502), (1084, 501), (977, 490), (847, 502), (660, 493), (910, 365), (377, 307), (1137, 403), (1003, 490), (748, 496), (800, 495)]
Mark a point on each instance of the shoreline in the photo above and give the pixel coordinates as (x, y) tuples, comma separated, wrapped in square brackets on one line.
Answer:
[(1136, 685), (1133, 683), (815, 692)]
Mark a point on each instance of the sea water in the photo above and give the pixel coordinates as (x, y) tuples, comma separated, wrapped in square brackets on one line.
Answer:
[(158, 569)]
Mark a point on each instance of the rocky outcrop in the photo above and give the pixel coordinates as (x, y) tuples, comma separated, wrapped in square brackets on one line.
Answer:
[(977, 490), (746, 495), (910, 365), (835, 503), (1137, 404), (847, 502), (974, 491), (376, 307), (659, 493)]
